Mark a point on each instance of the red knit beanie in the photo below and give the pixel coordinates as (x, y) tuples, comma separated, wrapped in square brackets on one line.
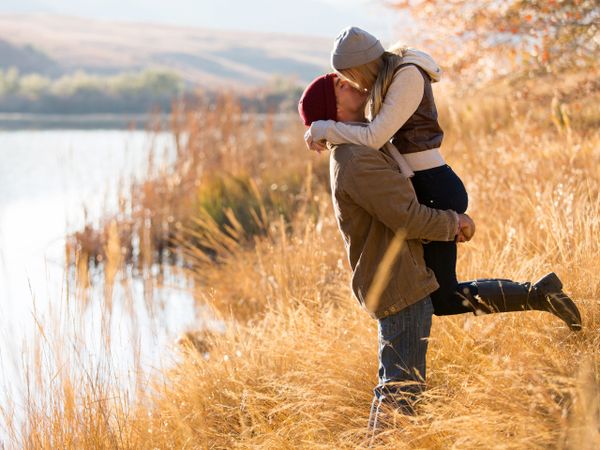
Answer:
[(318, 100)]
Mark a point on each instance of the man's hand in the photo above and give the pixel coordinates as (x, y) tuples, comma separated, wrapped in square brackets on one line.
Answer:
[(466, 228), (317, 146)]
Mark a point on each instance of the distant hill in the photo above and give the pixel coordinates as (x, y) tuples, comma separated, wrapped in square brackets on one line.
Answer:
[(27, 59), (55, 45)]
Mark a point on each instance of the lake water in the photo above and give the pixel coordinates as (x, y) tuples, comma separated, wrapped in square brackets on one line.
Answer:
[(47, 180)]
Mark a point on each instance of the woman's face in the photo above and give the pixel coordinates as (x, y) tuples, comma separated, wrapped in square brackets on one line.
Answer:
[(350, 102)]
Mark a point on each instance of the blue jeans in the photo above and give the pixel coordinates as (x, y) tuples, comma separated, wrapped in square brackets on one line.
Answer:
[(402, 350)]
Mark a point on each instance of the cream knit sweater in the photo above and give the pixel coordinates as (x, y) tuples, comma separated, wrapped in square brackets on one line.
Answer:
[(401, 101)]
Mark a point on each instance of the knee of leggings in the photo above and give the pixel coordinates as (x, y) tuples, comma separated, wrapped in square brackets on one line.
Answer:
[(454, 301)]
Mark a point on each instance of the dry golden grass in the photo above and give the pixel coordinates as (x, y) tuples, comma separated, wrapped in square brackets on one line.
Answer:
[(297, 362)]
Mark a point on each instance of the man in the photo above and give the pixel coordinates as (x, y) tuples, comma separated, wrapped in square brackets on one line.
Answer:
[(382, 225)]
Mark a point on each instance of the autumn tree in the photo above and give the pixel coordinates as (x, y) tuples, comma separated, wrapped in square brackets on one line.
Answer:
[(494, 37)]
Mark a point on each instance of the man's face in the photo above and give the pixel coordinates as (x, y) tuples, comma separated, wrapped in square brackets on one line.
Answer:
[(350, 102)]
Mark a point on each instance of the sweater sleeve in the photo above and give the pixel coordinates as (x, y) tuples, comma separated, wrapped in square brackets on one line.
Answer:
[(401, 101), (377, 187)]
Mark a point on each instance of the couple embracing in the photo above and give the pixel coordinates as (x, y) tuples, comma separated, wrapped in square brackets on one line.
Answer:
[(393, 194)]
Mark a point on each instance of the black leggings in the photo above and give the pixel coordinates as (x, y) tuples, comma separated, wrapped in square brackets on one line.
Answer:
[(441, 188)]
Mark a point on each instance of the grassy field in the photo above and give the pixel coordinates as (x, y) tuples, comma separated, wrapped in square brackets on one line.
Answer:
[(246, 209)]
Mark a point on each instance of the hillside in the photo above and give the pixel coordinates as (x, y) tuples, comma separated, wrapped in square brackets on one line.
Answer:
[(56, 45)]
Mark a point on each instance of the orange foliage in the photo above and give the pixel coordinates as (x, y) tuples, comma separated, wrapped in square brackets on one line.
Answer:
[(475, 37)]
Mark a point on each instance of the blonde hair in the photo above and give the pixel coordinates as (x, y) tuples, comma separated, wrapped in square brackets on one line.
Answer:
[(362, 77), (375, 77)]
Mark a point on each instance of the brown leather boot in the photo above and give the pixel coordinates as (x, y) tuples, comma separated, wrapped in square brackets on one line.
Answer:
[(487, 296)]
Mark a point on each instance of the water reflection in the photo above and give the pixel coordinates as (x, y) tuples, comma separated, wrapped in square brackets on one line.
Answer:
[(49, 182)]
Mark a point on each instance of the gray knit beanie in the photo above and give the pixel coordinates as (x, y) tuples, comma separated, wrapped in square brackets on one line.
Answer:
[(354, 47)]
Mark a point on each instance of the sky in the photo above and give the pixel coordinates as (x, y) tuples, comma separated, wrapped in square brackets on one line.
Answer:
[(310, 17)]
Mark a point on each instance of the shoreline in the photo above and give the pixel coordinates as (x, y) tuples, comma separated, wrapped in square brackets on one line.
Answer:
[(31, 121), (103, 121)]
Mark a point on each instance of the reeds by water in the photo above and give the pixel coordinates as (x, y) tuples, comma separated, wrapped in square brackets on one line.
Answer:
[(296, 363)]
